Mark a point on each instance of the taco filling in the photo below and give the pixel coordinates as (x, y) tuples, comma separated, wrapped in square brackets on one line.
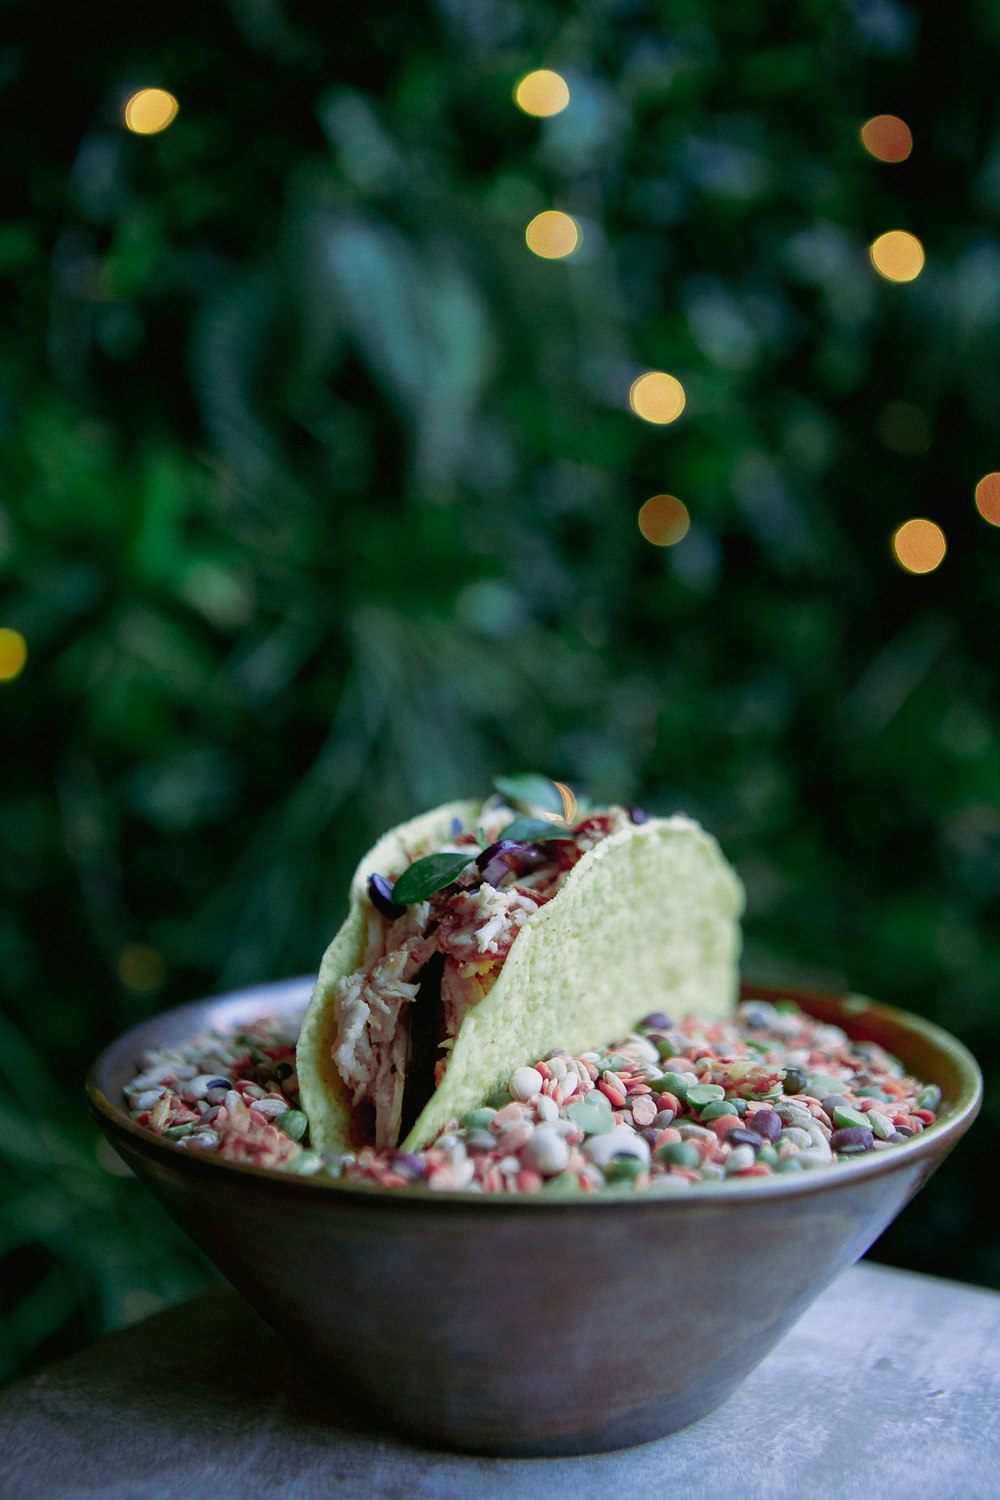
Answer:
[(427, 964)]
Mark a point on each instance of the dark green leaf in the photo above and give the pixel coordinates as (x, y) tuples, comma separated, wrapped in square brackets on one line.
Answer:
[(530, 792), (535, 830), (427, 875)]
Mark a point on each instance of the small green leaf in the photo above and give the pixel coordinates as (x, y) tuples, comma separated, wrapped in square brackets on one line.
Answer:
[(427, 875), (530, 792), (534, 830)]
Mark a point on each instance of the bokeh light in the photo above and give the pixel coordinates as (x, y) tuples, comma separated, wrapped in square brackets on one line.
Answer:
[(664, 520), (887, 138), (552, 234), (657, 397), (919, 545), (897, 255), (13, 653), (150, 110), (542, 93), (988, 498), (141, 968)]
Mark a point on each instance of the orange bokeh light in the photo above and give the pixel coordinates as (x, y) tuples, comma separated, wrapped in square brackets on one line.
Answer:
[(542, 93), (552, 235), (664, 520), (919, 545), (897, 255), (887, 138), (13, 653), (988, 498), (657, 397), (149, 111)]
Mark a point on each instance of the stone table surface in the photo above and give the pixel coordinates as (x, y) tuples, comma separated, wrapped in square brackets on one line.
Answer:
[(888, 1387)]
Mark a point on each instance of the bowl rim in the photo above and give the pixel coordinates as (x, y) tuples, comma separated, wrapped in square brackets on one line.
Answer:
[(287, 995)]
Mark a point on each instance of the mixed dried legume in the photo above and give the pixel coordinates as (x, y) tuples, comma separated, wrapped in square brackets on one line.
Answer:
[(668, 1107)]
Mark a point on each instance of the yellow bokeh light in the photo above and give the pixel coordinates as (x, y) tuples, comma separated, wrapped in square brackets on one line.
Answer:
[(13, 654), (887, 138), (664, 520), (552, 234), (657, 397), (542, 93), (141, 967), (919, 545), (150, 110), (897, 255), (988, 498)]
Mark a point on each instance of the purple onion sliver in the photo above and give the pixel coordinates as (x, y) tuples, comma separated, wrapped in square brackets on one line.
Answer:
[(638, 815), (508, 856), (380, 895)]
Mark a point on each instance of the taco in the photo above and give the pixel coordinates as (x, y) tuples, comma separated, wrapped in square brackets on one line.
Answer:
[(479, 938)]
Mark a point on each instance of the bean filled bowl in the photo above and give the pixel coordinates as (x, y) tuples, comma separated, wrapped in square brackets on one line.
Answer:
[(542, 1322)]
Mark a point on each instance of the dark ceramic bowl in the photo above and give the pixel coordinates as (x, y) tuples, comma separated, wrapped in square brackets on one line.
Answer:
[(535, 1325)]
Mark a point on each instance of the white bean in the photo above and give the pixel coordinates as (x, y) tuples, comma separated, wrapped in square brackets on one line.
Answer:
[(526, 1083), (622, 1141), (547, 1151)]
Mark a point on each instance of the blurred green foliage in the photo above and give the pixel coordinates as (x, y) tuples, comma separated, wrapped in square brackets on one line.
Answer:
[(319, 499)]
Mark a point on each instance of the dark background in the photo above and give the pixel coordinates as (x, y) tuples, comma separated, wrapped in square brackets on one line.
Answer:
[(319, 507)]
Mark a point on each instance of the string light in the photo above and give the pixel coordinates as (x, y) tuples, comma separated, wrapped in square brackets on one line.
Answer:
[(13, 654), (988, 498), (542, 93), (919, 545), (887, 138), (150, 110), (664, 520), (897, 255), (552, 235), (657, 397)]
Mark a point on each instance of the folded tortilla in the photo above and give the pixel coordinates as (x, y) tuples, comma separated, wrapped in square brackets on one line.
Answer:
[(647, 920)]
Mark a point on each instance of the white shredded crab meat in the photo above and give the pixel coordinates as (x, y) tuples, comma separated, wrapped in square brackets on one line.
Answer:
[(485, 922), (373, 1027)]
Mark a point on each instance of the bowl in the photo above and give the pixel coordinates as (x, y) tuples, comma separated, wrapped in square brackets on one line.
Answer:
[(535, 1325)]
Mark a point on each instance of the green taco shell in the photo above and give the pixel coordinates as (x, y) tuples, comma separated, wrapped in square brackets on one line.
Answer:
[(647, 920)]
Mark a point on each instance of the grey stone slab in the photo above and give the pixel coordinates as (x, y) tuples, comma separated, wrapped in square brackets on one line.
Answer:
[(889, 1386)]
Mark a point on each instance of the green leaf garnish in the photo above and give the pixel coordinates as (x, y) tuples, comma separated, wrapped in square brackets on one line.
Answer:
[(530, 792), (427, 875), (535, 830)]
